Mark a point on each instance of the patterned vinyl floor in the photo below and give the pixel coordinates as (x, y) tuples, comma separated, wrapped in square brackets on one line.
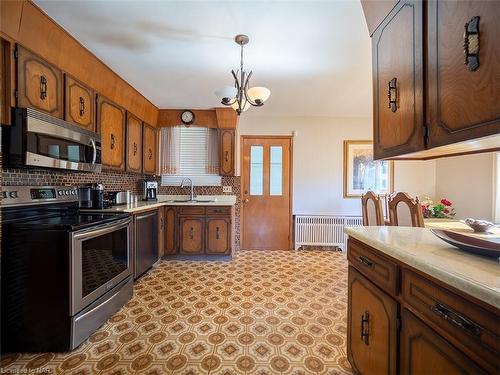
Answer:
[(264, 312)]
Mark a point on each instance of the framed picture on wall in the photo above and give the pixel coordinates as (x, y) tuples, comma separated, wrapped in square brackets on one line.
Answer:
[(362, 173)]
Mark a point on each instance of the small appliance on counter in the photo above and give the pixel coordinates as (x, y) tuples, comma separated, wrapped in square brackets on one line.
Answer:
[(150, 190), (121, 197), (93, 197)]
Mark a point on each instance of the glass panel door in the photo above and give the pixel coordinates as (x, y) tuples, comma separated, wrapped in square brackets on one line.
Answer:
[(276, 171), (256, 170)]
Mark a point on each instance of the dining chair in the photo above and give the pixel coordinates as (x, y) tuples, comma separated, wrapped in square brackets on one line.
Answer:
[(405, 211), (371, 207)]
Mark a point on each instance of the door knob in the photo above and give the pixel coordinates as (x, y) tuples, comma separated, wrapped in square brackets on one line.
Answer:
[(246, 200)]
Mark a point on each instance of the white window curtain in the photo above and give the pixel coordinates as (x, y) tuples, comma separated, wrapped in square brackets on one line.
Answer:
[(190, 152), (496, 200)]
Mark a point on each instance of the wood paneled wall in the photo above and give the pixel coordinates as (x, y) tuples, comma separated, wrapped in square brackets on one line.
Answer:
[(23, 22)]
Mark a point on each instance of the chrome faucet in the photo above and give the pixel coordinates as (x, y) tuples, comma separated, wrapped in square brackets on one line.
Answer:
[(192, 187)]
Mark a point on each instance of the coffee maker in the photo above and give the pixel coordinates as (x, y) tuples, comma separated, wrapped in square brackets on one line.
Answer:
[(150, 190)]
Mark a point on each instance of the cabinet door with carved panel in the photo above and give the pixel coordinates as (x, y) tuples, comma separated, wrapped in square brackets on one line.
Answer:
[(169, 243), (39, 84), (227, 156), (218, 234), (423, 351), (371, 327), (134, 144), (192, 235), (464, 70), (398, 82), (149, 150), (111, 126), (161, 231), (79, 103)]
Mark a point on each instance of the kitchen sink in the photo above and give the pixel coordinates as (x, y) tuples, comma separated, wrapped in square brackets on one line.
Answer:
[(196, 200)]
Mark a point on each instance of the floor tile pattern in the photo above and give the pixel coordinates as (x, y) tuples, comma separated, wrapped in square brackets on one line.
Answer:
[(264, 312)]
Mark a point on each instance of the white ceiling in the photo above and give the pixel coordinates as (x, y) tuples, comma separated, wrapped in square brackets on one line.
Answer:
[(314, 56)]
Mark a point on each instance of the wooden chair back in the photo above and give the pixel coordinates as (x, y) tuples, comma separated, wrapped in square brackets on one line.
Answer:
[(371, 206), (405, 211)]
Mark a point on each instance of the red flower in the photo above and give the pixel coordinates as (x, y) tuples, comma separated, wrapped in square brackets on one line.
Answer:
[(446, 202), (446, 210)]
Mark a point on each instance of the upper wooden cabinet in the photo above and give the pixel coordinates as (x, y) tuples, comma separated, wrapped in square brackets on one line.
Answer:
[(464, 100), (79, 103), (111, 126), (39, 84), (227, 155), (375, 11), (134, 144), (398, 82), (455, 107), (149, 150)]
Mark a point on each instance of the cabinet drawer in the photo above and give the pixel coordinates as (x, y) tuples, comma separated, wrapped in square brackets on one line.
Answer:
[(381, 271), (192, 211), (475, 329), (219, 210)]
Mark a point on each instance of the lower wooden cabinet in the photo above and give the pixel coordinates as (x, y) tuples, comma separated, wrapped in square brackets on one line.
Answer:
[(372, 327), (423, 351), (196, 230)]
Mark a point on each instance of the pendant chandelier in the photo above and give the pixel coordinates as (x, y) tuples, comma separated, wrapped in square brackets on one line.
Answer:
[(241, 96)]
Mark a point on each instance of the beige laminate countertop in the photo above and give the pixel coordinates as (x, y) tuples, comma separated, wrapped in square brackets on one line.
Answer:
[(168, 200), (474, 275)]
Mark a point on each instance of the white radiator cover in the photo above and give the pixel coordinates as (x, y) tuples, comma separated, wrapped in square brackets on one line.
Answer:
[(323, 230)]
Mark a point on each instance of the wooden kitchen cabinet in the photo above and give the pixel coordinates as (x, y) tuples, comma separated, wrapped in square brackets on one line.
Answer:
[(111, 126), (218, 234), (79, 103), (134, 144), (464, 100), (39, 84), (398, 82), (149, 154), (169, 243), (227, 152), (161, 231), (423, 351), (372, 327), (192, 236)]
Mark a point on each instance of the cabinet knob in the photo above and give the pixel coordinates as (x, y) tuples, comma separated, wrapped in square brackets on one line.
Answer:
[(113, 140), (82, 106), (135, 148), (191, 233), (471, 44), (365, 327), (227, 156), (217, 233), (150, 152), (392, 94), (43, 87)]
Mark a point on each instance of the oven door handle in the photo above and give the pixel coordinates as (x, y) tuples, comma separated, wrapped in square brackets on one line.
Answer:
[(102, 229)]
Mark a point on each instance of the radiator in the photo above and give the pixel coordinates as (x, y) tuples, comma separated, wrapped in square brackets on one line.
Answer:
[(323, 230)]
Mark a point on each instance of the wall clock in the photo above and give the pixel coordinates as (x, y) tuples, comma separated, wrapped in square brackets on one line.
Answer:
[(187, 117)]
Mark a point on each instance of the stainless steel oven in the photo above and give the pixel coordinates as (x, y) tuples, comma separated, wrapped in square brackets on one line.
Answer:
[(100, 260), (36, 139)]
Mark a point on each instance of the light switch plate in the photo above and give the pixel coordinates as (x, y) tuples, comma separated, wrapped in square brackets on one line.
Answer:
[(227, 189)]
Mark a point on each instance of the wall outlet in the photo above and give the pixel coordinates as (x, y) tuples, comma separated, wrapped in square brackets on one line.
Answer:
[(227, 189)]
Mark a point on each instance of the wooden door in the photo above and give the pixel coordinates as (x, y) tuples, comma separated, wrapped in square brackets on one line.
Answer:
[(170, 246), (371, 327), (423, 351), (463, 103), (149, 150), (398, 82), (192, 235), (218, 233), (111, 126), (39, 84), (266, 192), (79, 103), (134, 144), (227, 141), (161, 231)]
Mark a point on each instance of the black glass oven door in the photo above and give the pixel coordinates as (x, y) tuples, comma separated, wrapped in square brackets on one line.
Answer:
[(100, 260)]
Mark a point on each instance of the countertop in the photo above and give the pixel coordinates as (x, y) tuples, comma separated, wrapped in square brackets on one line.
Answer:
[(167, 200), (474, 275)]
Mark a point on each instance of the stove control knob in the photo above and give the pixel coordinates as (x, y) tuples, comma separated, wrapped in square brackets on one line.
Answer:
[(13, 194), (66, 192), (60, 192)]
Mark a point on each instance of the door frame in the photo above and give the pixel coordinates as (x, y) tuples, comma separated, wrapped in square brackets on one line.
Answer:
[(290, 196)]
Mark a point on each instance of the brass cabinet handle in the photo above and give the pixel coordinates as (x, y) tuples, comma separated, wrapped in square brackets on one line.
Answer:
[(150, 154), (227, 156), (82, 106), (365, 261), (217, 233), (365, 327), (43, 87), (456, 319), (392, 94), (135, 148), (191, 233), (471, 44), (113, 140)]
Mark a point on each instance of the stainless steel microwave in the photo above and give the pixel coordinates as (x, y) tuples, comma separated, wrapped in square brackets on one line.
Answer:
[(36, 139)]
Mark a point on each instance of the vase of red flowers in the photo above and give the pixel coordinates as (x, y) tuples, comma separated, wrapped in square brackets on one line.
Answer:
[(442, 210)]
